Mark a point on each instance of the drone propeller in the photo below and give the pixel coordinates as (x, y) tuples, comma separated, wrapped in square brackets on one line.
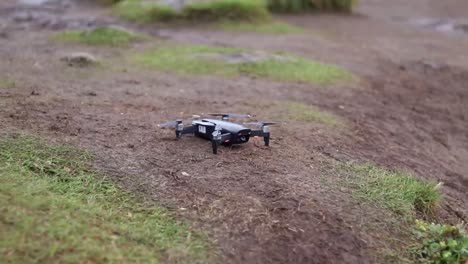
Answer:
[(229, 115), (260, 124), (173, 123)]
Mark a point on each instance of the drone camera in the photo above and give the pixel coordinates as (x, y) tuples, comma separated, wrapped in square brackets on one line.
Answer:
[(266, 129)]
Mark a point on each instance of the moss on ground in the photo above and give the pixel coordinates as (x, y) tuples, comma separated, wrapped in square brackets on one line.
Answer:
[(99, 36), (7, 83), (215, 10), (262, 27), (300, 6)]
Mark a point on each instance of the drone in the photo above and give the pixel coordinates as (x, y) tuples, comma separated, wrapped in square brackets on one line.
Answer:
[(221, 131)]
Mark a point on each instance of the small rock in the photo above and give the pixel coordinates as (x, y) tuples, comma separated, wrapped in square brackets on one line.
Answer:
[(462, 27), (79, 59), (464, 180), (185, 173), (430, 65), (33, 2), (237, 58), (35, 93), (91, 93), (23, 17), (37, 65), (3, 31)]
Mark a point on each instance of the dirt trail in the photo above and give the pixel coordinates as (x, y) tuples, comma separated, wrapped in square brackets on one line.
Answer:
[(260, 205)]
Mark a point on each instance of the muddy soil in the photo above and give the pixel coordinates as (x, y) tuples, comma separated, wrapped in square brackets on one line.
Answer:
[(258, 204)]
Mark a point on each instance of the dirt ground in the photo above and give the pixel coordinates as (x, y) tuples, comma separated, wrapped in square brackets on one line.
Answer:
[(259, 205)]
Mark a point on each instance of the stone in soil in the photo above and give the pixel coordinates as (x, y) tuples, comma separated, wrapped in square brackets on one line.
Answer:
[(79, 59), (243, 57), (447, 25)]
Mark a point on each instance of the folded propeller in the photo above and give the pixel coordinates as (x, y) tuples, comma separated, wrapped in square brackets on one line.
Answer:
[(260, 124)]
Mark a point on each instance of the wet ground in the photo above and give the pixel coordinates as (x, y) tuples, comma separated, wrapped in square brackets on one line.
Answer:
[(259, 205)]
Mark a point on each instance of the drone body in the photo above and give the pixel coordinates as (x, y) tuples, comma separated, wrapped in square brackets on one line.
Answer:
[(221, 132)]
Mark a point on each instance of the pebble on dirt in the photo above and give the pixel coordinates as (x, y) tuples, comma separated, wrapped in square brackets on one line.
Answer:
[(79, 59)]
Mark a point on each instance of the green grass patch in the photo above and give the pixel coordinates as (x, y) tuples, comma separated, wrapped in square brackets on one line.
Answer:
[(262, 27), (398, 191), (213, 10), (298, 69), (56, 209), (301, 6), (99, 36), (208, 60), (439, 243), (309, 113), (107, 2), (216, 10), (6, 83), (188, 60), (138, 11)]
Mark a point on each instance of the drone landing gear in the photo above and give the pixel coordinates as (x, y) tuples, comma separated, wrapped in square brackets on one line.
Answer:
[(218, 139), (266, 138), (215, 144), (261, 133)]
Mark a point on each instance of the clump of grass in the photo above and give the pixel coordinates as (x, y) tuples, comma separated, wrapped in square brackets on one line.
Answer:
[(308, 113), (398, 191), (99, 36), (6, 83), (56, 209), (214, 10), (300, 6), (107, 2), (186, 60), (262, 27), (298, 69), (197, 60), (440, 243), (136, 10)]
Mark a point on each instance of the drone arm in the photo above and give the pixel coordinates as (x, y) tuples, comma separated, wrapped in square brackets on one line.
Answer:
[(257, 133), (262, 133), (186, 130)]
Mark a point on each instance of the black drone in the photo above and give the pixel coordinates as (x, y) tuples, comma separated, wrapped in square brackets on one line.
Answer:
[(221, 132)]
